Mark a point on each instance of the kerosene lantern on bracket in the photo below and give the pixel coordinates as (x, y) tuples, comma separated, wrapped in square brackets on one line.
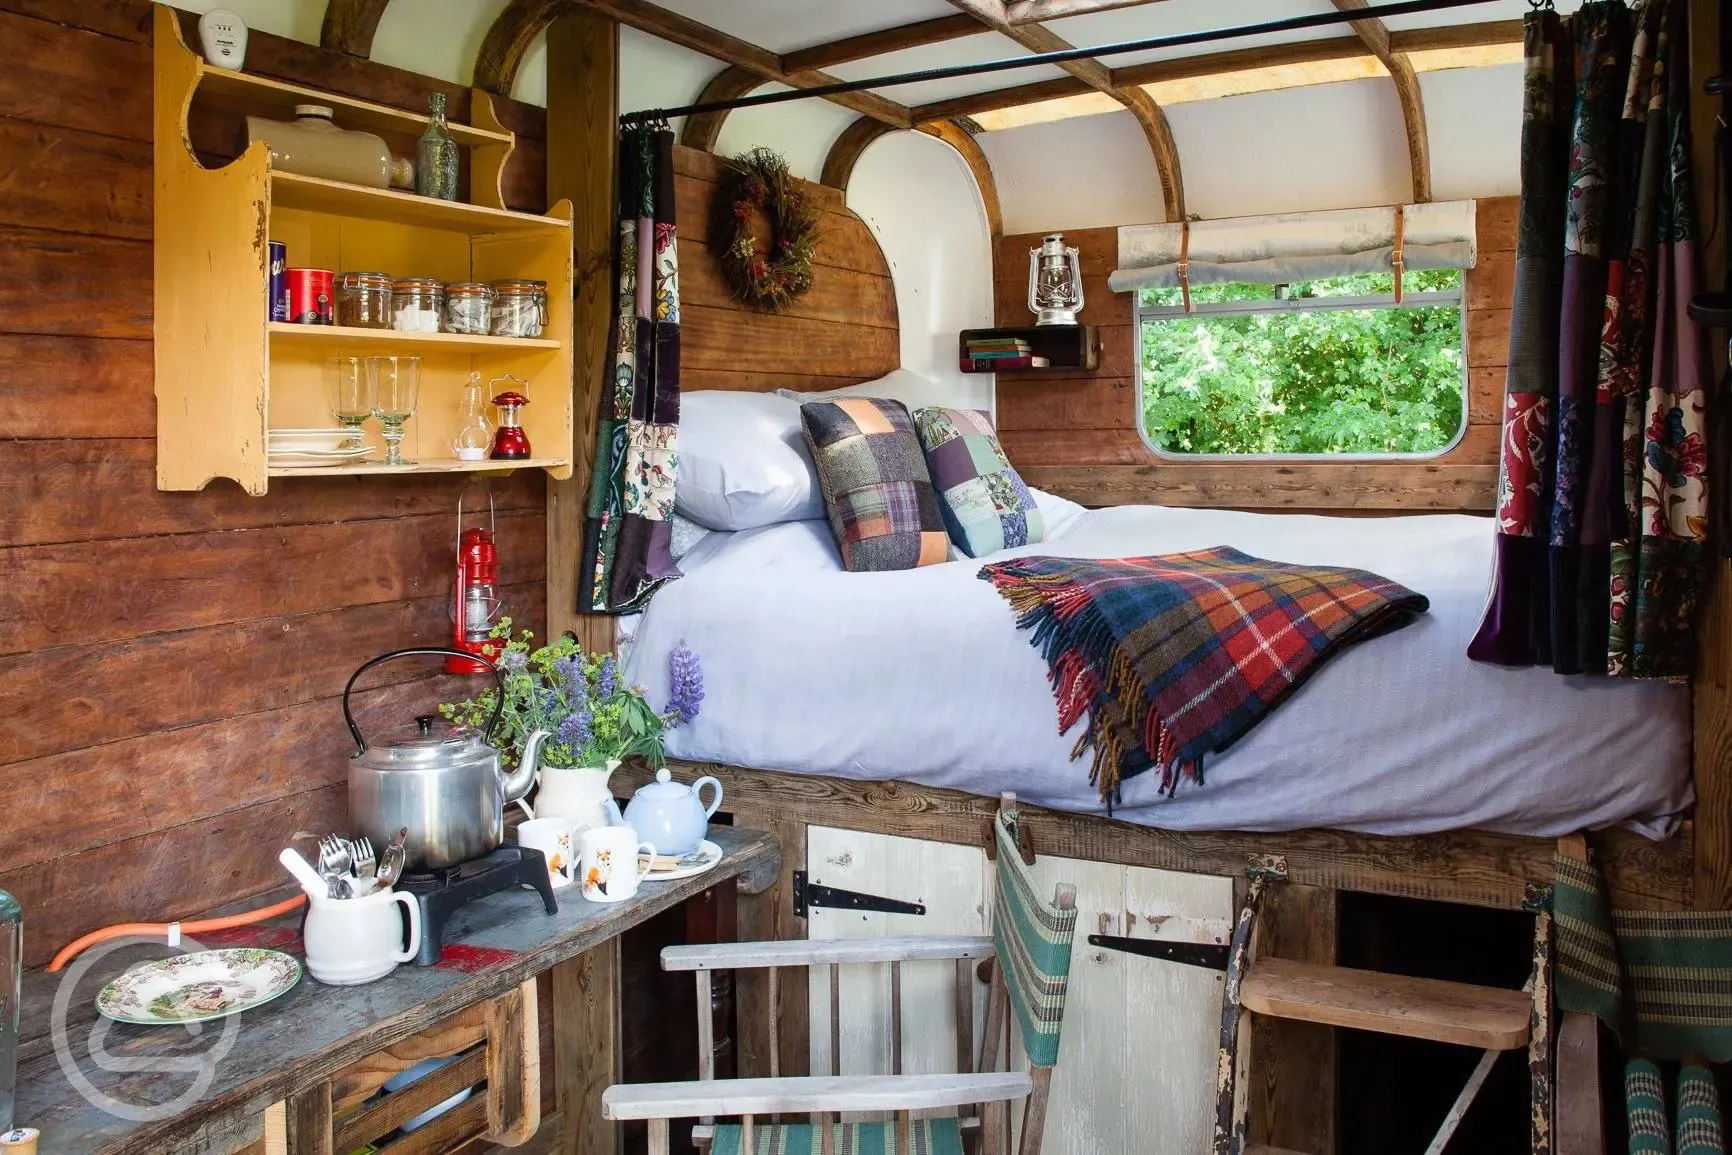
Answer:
[(1055, 292), (475, 600)]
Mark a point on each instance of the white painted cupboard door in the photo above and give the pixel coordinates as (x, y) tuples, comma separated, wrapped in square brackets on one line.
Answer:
[(1136, 1069), (1136, 1062), (951, 882)]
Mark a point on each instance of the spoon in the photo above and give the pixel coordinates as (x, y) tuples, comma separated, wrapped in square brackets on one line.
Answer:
[(304, 873)]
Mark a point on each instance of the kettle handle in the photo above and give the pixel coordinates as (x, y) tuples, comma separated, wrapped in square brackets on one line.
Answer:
[(431, 652)]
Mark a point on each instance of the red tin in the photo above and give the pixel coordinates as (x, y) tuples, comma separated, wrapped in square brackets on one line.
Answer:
[(310, 296)]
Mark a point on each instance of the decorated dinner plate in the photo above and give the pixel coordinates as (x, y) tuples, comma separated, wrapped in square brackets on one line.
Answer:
[(198, 987), (667, 868)]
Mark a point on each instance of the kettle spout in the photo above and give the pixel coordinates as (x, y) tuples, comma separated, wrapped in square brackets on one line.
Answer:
[(614, 817), (518, 782)]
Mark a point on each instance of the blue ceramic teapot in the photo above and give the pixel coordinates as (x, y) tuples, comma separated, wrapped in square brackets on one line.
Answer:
[(669, 814)]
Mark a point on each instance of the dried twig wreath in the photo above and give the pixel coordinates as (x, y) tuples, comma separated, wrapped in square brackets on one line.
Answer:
[(770, 280)]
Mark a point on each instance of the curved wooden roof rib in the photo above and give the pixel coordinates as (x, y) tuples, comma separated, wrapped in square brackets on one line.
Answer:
[(508, 40), (1375, 36), (845, 153), (702, 129), (958, 137), (1037, 38), (350, 24)]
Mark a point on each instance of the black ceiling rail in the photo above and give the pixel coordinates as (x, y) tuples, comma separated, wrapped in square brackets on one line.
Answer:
[(1175, 40)]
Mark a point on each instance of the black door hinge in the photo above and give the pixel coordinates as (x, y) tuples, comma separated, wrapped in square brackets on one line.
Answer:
[(810, 894), (1208, 955)]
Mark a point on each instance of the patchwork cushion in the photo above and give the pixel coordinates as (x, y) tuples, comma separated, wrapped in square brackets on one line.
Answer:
[(985, 505), (876, 489), (936, 1136)]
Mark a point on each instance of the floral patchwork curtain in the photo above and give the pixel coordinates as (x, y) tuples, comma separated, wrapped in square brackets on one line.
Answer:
[(627, 530), (1602, 503)]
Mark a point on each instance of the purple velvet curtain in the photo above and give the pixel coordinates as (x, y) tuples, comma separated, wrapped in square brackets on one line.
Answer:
[(1602, 501)]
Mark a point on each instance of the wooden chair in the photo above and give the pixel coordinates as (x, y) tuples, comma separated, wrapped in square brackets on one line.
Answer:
[(1029, 955)]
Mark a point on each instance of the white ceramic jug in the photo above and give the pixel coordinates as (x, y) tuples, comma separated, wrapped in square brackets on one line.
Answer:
[(578, 794), (352, 941)]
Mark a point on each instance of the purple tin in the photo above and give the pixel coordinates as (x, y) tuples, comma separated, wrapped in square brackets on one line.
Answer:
[(279, 283)]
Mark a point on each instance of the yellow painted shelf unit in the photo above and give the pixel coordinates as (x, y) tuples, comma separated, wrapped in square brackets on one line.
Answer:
[(225, 373)]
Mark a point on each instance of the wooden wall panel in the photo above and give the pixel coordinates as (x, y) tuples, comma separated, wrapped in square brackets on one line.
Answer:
[(1077, 433), (169, 662), (843, 331)]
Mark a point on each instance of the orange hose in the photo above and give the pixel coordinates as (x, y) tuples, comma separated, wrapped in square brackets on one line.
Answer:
[(73, 949)]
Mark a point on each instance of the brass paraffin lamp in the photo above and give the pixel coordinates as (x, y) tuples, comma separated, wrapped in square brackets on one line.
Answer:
[(1055, 292)]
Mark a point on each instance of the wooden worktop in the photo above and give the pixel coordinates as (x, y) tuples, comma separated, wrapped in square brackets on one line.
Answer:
[(491, 946)]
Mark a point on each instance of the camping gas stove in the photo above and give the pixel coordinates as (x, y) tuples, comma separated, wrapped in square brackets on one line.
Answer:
[(440, 893)]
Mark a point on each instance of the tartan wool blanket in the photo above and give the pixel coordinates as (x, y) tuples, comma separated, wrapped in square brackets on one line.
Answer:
[(1177, 656)]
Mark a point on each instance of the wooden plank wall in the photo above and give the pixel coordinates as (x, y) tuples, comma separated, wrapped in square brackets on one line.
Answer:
[(170, 662), (843, 331), (1077, 433)]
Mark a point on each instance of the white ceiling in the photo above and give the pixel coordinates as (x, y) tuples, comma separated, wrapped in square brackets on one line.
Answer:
[(964, 50)]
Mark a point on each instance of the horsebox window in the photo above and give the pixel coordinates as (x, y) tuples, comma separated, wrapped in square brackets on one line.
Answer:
[(1322, 368)]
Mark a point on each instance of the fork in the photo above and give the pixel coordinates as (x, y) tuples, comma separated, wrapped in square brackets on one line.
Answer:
[(363, 856), (336, 854)]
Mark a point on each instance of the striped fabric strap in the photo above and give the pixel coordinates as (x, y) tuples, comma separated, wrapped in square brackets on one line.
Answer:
[(1645, 1107), (1033, 940), (1699, 1130)]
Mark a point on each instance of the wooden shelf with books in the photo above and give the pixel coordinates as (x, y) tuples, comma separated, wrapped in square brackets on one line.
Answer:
[(1029, 349)]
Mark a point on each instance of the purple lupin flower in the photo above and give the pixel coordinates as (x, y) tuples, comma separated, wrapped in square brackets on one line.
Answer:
[(685, 683), (575, 730), (606, 680)]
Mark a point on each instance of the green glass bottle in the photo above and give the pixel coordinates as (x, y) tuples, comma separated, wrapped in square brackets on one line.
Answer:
[(11, 997), (436, 155)]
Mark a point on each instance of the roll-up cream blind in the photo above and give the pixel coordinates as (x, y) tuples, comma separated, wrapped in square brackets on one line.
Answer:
[(1293, 247)]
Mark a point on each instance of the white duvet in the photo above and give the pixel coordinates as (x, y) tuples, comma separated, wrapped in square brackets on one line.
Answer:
[(921, 675)]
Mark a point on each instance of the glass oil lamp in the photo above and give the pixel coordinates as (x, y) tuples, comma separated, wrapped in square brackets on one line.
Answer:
[(475, 433), (510, 442), (1055, 292)]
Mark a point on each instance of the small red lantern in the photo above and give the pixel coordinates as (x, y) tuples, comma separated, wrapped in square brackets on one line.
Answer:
[(476, 603)]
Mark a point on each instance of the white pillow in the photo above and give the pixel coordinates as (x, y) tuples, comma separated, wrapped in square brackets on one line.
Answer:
[(744, 462), (902, 385), (1057, 512)]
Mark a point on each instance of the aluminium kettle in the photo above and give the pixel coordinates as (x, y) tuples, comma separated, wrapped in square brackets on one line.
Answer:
[(441, 781)]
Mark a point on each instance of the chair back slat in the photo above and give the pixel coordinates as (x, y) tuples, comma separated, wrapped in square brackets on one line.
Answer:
[(835, 1019), (775, 1022), (895, 1018), (1033, 938)]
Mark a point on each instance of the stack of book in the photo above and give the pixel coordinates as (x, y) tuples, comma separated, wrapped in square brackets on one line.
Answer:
[(997, 354)]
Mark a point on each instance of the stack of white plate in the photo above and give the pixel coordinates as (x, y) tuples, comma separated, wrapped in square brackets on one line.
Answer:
[(311, 448)]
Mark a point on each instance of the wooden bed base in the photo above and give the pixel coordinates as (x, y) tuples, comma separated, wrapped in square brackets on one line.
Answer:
[(1466, 866)]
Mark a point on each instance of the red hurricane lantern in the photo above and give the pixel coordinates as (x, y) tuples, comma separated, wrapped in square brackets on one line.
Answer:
[(475, 600)]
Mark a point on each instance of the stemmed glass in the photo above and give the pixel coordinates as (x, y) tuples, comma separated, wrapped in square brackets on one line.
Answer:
[(395, 383), (349, 386)]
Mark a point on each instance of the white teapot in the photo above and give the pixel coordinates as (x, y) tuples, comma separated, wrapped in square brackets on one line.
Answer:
[(668, 813)]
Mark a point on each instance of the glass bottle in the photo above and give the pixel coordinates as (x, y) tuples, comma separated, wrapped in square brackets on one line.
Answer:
[(436, 155), (475, 433), (11, 997)]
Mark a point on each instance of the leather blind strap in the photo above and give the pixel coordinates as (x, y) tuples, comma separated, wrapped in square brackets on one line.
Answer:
[(1185, 263), (1395, 260)]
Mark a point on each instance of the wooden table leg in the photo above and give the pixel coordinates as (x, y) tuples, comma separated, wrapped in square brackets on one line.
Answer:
[(309, 1120), (586, 1047)]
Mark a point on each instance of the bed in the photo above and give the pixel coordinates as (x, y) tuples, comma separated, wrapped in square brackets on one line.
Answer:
[(921, 676)]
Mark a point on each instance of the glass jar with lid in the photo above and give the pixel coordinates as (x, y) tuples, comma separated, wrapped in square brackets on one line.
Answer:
[(519, 308), (364, 300), (468, 307), (417, 303)]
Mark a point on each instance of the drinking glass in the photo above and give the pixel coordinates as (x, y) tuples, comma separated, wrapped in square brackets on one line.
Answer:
[(349, 386), (395, 382)]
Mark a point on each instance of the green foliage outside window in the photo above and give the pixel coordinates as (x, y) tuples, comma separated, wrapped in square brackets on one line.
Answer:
[(1357, 379)]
